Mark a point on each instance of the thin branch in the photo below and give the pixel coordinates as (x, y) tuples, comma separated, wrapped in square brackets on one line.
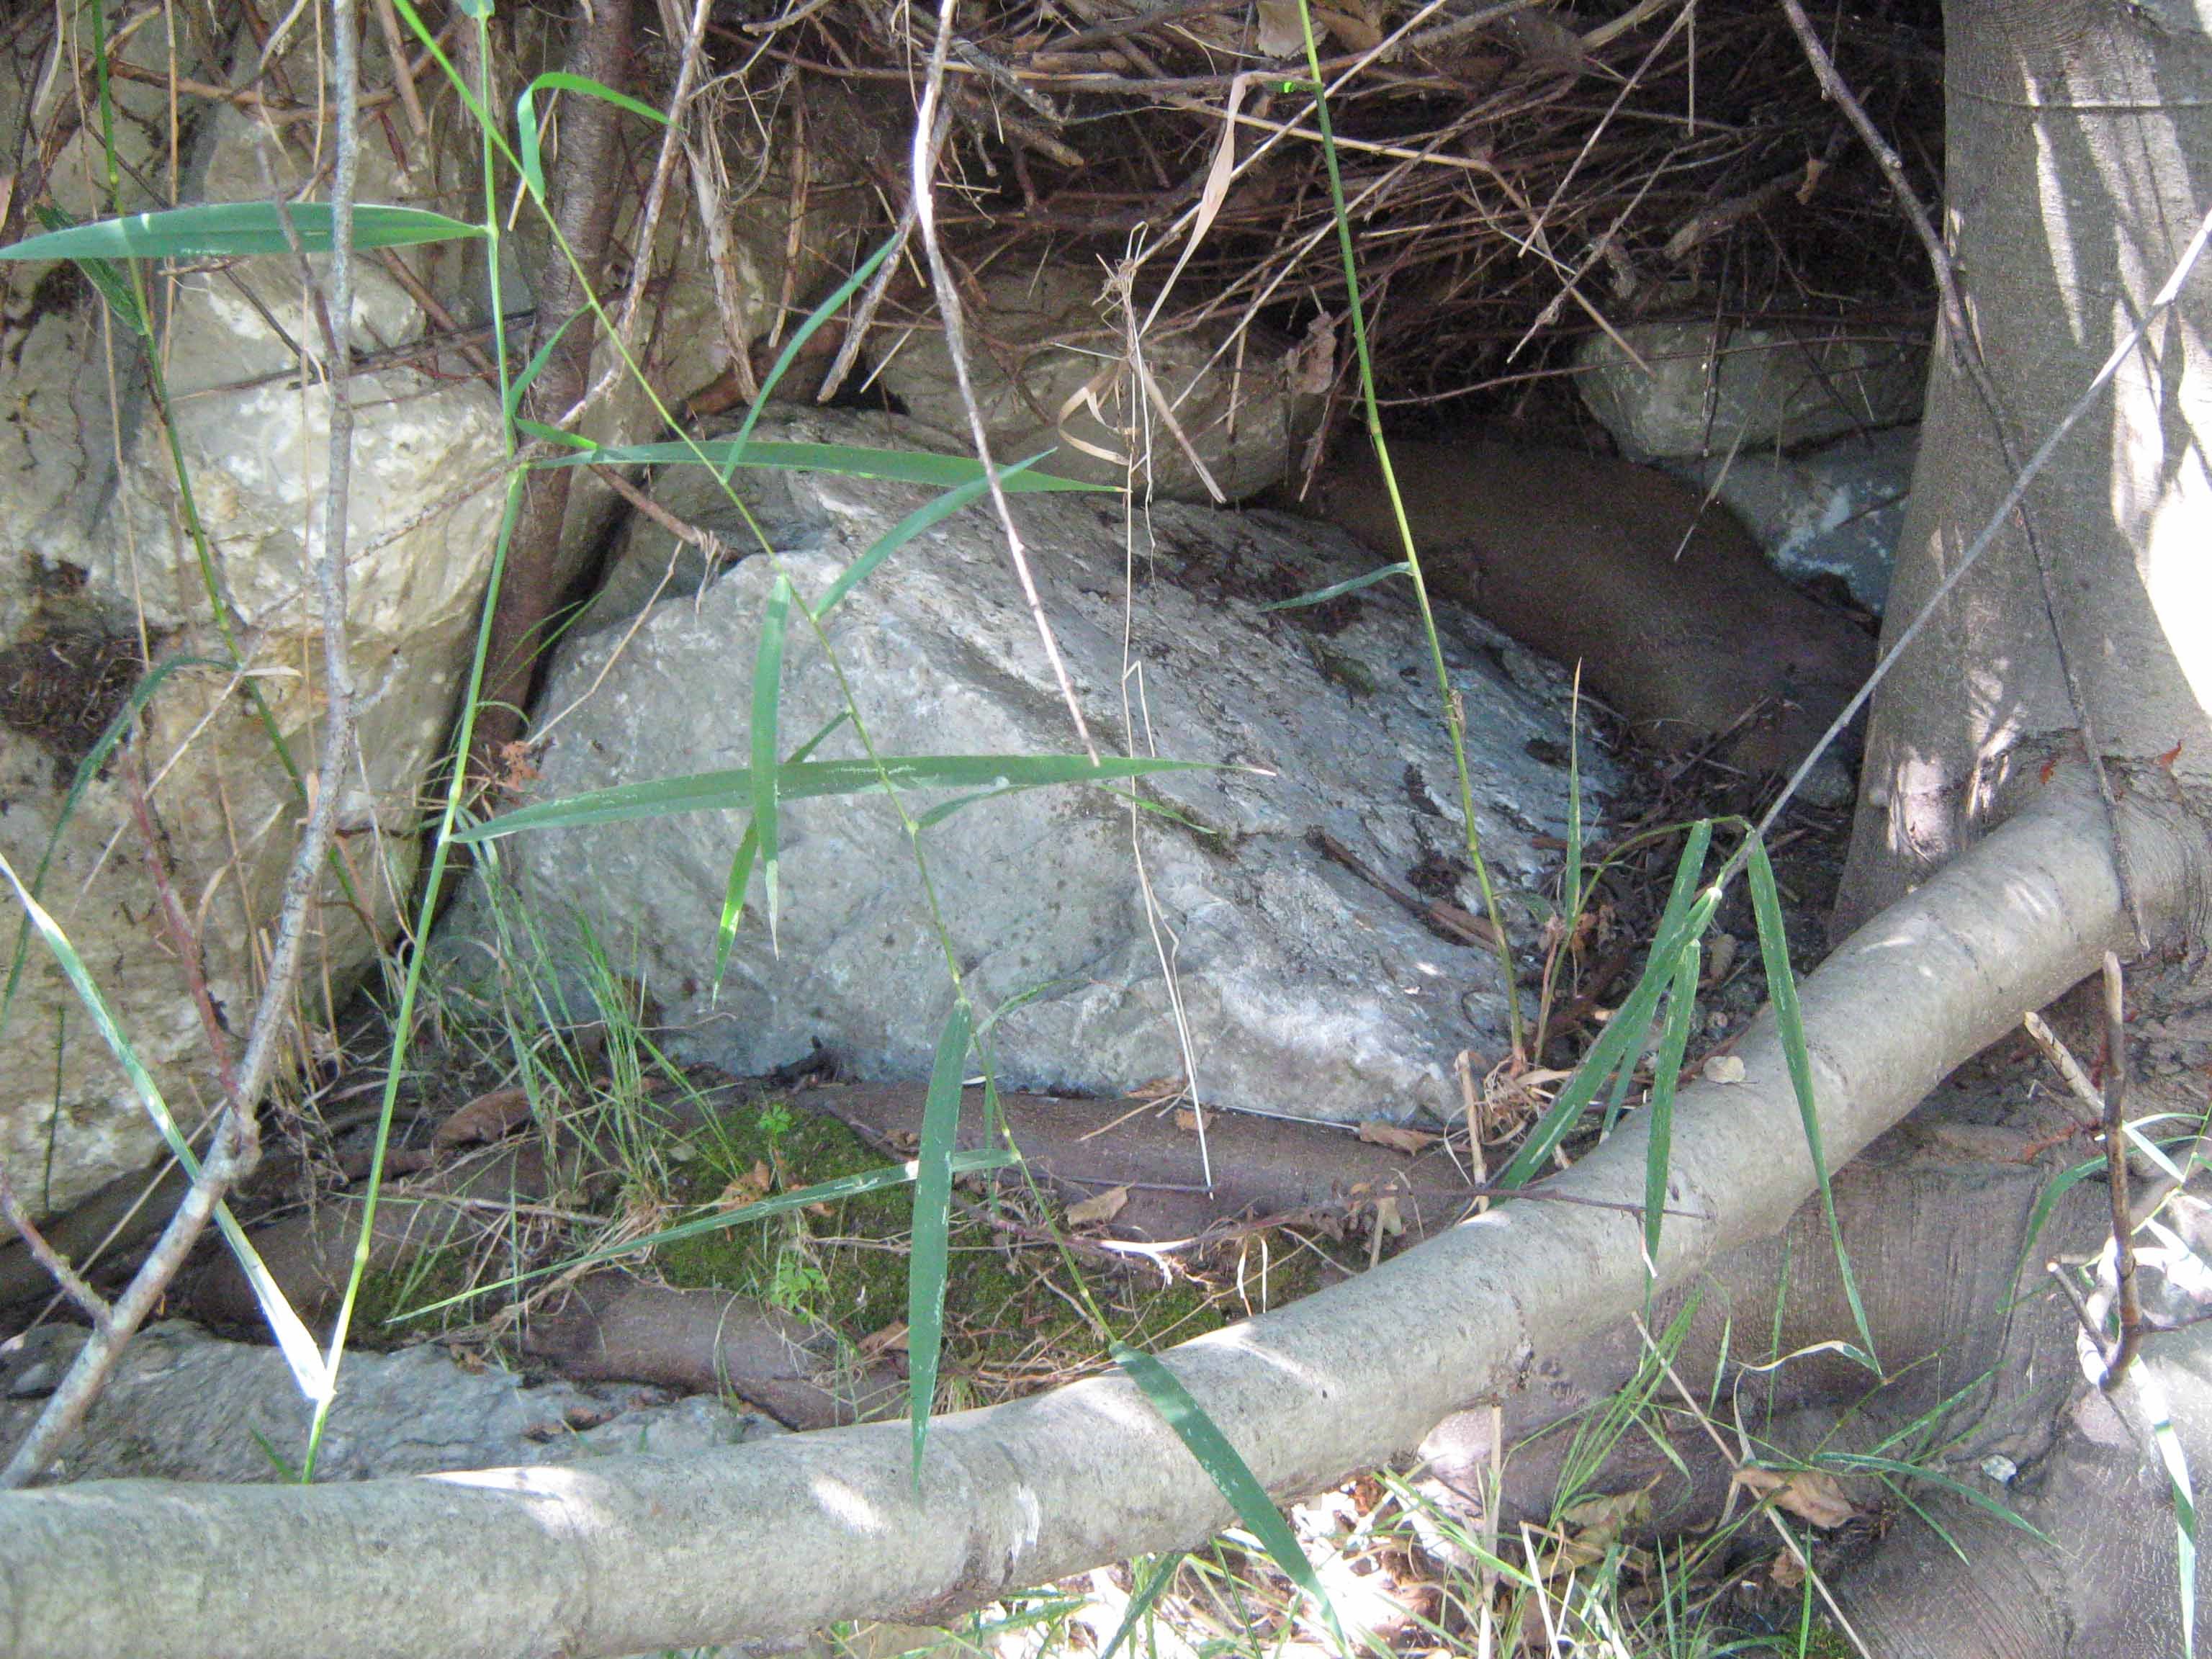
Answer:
[(12, 1212), (928, 141), (2116, 1163)]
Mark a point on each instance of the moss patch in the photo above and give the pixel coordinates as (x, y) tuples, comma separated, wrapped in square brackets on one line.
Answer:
[(1016, 1311)]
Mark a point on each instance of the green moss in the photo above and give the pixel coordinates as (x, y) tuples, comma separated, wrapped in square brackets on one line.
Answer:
[(384, 1312), (1013, 1318), (1344, 669)]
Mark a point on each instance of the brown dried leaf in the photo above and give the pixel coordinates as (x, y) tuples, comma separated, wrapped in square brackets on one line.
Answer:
[(487, 1117), (1812, 1495), (1398, 1140), (1187, 1120), (1104, 1206), (1282, 31), (891, 1339), (748, 1189)]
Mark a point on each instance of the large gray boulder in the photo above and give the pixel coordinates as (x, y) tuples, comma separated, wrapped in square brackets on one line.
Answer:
[(103, 580), (1098, 930)]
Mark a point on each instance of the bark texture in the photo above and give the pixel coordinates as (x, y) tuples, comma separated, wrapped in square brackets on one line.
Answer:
[(633, 1553), (2079, 142), (538, 577)]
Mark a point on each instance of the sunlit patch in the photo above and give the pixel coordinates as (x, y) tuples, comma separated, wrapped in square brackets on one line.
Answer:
[(851, 1509), (2178, 576)]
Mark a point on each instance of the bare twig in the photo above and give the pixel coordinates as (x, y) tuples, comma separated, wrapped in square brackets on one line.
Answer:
[(2116, 1165), (94, 1305), (928, 138)]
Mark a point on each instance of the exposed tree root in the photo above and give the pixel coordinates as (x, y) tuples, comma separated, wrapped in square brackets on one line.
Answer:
[(635, 1553)]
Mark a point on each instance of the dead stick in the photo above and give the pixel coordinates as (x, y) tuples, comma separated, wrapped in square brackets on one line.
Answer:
[(2116, 1163)]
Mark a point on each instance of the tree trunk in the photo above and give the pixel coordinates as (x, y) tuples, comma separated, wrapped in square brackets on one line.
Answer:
[(2079, 149), (2078, 140)]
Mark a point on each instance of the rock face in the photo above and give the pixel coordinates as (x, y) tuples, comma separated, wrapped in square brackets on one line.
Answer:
[(1050, 368), (1692, 389), (185, 1405), (104, 581), (1837, 511), (1303, 989)]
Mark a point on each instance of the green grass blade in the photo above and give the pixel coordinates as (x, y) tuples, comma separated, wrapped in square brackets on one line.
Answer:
[(1688, 914), (2175, 1461), (106, 276), (1674, 1041), (741, 866), (1860, 1463), (733, 901), (1141, 1604), (768, 693), (732, 790), (1790, 1025), (805, 331), (928, 1265), (922, 518), (823, 1192), (534, 367), (553, 436), (1202, 1438), (526, 123), (1337, 590), (298, 1348), (848, 460), (1571, 887), (219, 230)]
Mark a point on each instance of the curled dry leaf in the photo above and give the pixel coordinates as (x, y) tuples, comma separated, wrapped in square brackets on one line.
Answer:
[(1188, 1120), (1723, 1068), (891, 1339), (1396, 1139), (1103, 1207), (1812, 1495), (748, 1189), (487, 1117)]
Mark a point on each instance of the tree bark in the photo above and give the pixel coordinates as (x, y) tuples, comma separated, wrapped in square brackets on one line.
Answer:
[(538, 576), (2078, 145), (633, 1553)]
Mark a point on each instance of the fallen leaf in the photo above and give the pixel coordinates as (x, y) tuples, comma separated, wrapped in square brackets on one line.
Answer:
[(1187, 1120), (1787, 1573), (1354, 31), (891, 1339), (1812, 1495), (748, 1189), (1720, 957), (1282, 31), (487, 1117), (1398, 1140), (1104, 1206), (1723, 1068)]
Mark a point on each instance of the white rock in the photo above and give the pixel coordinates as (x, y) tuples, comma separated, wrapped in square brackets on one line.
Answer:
[(1698, 391)]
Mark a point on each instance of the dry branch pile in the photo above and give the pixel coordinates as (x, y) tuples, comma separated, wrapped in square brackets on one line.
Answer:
[(1509, 167)]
